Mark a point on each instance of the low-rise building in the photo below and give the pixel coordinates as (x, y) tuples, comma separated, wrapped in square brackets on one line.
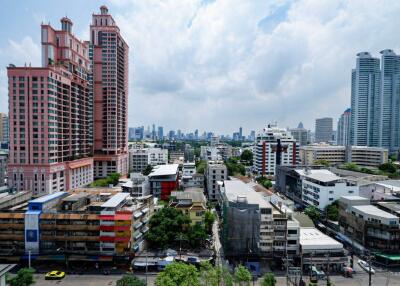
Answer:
[(192, 202), (215, 172), (81, 224), (381, 190), (320, 250), (176, 157), (140, 158), (163, 180), (337, 155), (369, 225), (137, 185)]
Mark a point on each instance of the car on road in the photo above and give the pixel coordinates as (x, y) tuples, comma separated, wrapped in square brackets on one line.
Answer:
[(364, 265), (55, 275)]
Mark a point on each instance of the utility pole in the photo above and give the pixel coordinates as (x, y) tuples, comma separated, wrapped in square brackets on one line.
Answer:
[(327, 270), (146, 267), (369, 268)]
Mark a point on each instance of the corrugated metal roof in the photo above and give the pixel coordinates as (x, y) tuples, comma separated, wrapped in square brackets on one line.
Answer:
[(115, 200), (48, 198)]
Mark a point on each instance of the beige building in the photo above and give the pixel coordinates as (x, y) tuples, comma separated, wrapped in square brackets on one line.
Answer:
[(336, 155)]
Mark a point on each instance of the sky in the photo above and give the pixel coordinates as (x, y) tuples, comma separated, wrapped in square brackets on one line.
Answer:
[(219, 64)]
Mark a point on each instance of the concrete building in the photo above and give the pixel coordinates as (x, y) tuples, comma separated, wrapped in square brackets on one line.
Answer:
[(274, 146), (387, 190), (337, 155), (255, 227), (320, 250), (323, 129), (191, 202), (365, 87), (163, 180), (140, 158), (215, 172), (110, 90), (321, 187), (4, 128), (50, 114), (300, 134), (369, 225), (84, 224), (176, 157), (343, 128), (137, 185)]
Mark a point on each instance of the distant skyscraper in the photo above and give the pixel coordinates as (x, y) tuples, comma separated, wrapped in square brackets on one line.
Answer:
[(300, 134), (196, 134), (240, 133), (389, 101), (323, 129), (365, 101), (160, 134), (110, 84), (153, 132), (343, 128)]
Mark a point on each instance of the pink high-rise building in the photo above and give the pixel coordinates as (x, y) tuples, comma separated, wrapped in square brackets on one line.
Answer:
[(50, 109), (109, 55)]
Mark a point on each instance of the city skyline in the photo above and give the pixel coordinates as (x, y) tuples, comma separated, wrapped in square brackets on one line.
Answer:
[(233, 66)]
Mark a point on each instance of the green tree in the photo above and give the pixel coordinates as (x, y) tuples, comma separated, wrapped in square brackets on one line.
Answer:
[(209, 219), (147, 170), (322, 162), (269, 280), (332, 211), (214, 276), (113, 178), (178, 273), (130, 280), (242, 275), (201, 166), (247, 155), (313, 213), (164, 225), (264, 182), (351, 166), (24, 277), (388, 167), (234, 167), (196, 235)]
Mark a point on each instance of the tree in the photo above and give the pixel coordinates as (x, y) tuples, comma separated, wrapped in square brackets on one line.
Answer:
[(201, 166), (388, 167), (234, 167), (322, 162), (247, 155), (269, 280), (196, 235), (213, 276), (332, 211), (147, 170), (164, 225), (242, 275), (351, 166), (209, 219), (130, 280), (264, 182), (313, 213), (178, 273), (113, 178), (24, 277)]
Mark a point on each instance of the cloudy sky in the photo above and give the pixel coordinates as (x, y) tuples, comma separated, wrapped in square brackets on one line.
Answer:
[(217, 65)]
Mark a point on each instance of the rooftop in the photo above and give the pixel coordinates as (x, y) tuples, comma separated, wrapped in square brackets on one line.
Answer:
[(321, 175), (374, 211), (164, 170), (115, 200), (50, 197), (312, 239), (194, 194), (235, 189), (355, 198), (392, 206)]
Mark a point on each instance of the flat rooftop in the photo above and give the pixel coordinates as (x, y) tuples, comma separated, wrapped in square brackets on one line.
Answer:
[(50, 197), (164, 170), (236, 188), (321, 175), (312, 239), (115, 200), (392, 206), (374, 211)]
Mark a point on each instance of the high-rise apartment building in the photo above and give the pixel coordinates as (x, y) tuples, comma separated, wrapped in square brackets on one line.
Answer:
[(300, 134), (110, 86), (274, 146), (323, 129), (160, 135), (4, 128), (365, 102), (50, 109), (343, 128)]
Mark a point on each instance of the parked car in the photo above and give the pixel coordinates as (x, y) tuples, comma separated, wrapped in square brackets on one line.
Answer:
[(54, 275), (364, 265), (318, 274)]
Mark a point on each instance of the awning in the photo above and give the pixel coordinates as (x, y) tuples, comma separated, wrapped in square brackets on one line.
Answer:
[(145, 210), (145, 229), (138, 235), (138, 214), (137, 225)]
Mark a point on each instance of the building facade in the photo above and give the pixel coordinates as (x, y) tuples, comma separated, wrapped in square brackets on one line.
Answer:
[(343, 128), (140, 158), (215, 172), (323, 129), (301, 135), (110, 90), (163, 180), (274, 146)]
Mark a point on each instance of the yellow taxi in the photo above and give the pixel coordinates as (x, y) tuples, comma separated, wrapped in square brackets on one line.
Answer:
[(55, 275)]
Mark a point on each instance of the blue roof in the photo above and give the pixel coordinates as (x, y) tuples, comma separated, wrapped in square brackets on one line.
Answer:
[(33, 212), (48, 198)]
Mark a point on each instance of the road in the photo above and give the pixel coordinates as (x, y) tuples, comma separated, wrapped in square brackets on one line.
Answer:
[(217, 243)]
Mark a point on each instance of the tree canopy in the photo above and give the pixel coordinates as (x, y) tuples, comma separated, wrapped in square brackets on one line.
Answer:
[(234, 167), (388, 167), (332, 211), (130, 280), (209, 219), (147, 170), (214, 276), (111, 179), (24, 277), (242, 275), (264, 182), (268, 279), (322, 162), (313, 213), (178, 273), (201, 166), (247, 156)]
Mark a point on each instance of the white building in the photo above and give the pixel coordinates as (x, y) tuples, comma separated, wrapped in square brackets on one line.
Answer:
[(137, 185), (215, 172), (140, 158), (190, 179), (321, 187), (266, 147)]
